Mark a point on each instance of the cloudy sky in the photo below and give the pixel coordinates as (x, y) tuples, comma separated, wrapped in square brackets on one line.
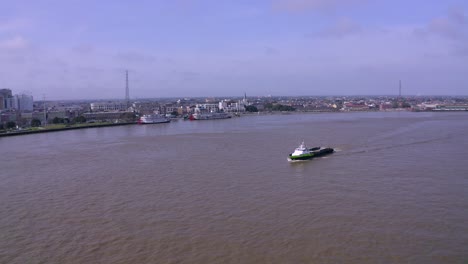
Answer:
[(80, 49)]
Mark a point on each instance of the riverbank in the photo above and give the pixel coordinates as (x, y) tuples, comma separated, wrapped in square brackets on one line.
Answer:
[(57, 128)]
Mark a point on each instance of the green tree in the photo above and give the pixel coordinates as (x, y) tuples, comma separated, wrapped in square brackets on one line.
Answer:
[(280, 107), (175, 113), (10, 124), (57, 120), (79, 119), (129, 116), (405, 105), (251, 108), (35, 122)]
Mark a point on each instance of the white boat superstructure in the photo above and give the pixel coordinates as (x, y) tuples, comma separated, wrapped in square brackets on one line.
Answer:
[(153, 119), (304, 153), (301, 150), (208, 116)]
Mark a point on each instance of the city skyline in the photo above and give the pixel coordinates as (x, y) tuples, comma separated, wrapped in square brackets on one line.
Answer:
[(81, 49)]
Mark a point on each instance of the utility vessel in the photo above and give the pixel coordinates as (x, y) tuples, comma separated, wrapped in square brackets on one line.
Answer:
[(304, 153)]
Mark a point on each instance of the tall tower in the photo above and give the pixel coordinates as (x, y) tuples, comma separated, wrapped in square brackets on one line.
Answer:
[(399, 94), (45, 110), (127, 91)]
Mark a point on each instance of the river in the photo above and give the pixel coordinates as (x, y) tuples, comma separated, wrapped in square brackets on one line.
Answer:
[(222, 191)]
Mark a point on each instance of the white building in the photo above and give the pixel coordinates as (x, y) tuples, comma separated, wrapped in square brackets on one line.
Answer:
[(229, 106), (109, 106), (203, 108)]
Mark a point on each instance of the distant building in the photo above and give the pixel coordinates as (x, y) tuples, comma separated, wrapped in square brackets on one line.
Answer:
[(22, 102), (231, 106), (9, 116), (5, 99), (147, 107), (451, 108), (39, 116), (385, 106), (109, 106), (55, 114), (103, 116), (179, 109), (350, 106), (427, 106), (206, 108)]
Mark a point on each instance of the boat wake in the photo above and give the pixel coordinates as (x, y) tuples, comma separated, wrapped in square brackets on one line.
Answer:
[(401, 145), (296, 161)]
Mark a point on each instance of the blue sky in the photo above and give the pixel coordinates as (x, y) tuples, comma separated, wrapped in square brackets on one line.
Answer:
[(184, 48)]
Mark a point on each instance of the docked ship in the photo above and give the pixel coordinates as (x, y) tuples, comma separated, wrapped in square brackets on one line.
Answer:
[(209, 116), (153, 119), (304, 153)]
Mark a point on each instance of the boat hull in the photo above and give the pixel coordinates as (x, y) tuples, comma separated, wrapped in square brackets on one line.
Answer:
[(211, 116), (153, 122), (314, 153)]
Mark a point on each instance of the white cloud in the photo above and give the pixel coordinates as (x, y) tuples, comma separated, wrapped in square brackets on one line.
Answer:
[(13, 43), (344, 53), (453, 25), (84, 48), (13, 25), (131, 57), (342, 27), (304, 5)]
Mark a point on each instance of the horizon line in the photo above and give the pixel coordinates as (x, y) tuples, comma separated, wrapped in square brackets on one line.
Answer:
[(256, 96)]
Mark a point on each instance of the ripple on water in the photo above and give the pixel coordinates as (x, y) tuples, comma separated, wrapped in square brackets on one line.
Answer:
[(223, 192)]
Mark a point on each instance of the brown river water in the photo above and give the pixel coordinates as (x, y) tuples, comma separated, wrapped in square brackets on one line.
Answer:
[(222, 191)]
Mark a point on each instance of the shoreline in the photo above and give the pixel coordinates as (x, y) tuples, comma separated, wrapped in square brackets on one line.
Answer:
[(94, 125), (98, 125)]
